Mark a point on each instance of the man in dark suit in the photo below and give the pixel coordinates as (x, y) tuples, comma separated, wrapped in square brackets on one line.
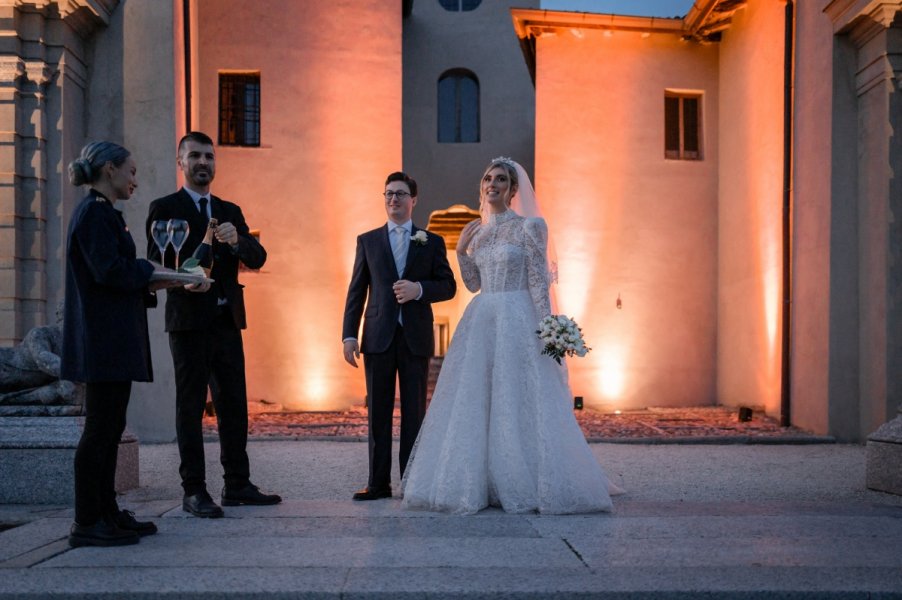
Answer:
[(204, 322), (404, 270)]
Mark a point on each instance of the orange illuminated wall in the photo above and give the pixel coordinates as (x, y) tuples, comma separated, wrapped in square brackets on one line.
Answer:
[(750, 208), (330, 77), (692, 248), (626, 221)]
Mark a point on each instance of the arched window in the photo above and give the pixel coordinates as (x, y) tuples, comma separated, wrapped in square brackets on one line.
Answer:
[(459, 5), (458, 107)]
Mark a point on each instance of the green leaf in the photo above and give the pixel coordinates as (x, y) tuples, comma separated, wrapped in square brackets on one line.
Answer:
[(189, 264)]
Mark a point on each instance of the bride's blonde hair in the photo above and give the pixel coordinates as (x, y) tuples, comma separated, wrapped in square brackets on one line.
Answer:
[(508, 166)]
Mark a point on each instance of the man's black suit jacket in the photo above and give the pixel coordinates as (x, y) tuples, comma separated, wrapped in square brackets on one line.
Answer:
[(186, 311), (375, 272)]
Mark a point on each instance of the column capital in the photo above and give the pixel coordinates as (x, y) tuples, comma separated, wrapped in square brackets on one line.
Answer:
[(83, 15), (11, 68), (862, 19), (38, 72)]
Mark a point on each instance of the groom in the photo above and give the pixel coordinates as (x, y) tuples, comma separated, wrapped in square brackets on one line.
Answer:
[(403, 269)]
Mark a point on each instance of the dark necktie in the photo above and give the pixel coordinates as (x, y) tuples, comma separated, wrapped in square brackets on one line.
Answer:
[(203, 208)]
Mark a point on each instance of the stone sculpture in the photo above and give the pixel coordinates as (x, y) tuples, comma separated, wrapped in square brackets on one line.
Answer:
[(29, 377)]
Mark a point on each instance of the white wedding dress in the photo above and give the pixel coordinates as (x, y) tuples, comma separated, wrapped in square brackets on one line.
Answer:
[(500, 429)]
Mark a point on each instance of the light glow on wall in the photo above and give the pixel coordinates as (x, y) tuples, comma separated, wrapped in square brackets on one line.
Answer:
[(612, 377), (314, 184), (625, 221)]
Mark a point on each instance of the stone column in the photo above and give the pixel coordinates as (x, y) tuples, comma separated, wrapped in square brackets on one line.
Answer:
[(884, 446), (37, 40), (881, 268), (22, 248), (45, 48), (874, 27)]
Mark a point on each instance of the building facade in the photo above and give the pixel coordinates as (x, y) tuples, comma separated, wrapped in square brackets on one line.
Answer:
[(663, 158), (757, 264)]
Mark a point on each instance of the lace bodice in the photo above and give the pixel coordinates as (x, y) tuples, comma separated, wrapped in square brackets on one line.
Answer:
[(509, 254)]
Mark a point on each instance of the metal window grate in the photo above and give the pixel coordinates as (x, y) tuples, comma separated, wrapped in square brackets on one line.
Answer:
[(239, 109)]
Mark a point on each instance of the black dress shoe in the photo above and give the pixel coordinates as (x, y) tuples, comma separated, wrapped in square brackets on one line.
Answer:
[(201, 505), (101, 533), (125, 519), (249, 494), (372, 493)]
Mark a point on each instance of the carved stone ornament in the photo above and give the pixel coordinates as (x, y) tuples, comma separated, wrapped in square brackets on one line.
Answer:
[(11, 68), (102, 9), (84, 16), (39, 72), (862, 19)]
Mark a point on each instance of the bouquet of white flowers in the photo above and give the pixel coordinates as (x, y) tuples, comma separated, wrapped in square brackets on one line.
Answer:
[(562, 337)]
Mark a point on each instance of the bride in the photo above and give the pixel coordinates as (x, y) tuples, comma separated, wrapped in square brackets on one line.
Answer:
[(499, 430)]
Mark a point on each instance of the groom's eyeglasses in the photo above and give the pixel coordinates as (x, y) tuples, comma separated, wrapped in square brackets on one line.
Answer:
[(400, 194)]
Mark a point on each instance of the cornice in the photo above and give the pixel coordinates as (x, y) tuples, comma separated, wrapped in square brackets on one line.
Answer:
[(102, 10), (862, 19), (84, 16), (530, 22)]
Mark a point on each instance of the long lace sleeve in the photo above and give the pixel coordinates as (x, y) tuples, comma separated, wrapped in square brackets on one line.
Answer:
[(537, 264), (469, 272)]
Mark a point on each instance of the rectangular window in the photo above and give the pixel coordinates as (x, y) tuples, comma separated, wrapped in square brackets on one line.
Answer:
[(239, 109), (682, 126)]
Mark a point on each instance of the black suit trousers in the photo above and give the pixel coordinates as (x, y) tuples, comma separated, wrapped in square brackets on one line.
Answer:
[(381, 370), (211, 357), (98, 450)]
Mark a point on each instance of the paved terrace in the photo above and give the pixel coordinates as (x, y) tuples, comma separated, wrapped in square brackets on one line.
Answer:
[(712, 521)]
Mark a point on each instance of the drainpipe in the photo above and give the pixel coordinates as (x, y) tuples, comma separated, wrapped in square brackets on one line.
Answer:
[(785, 382), (186, 27)]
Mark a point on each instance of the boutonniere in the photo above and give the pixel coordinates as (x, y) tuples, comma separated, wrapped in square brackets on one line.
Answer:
[(419, 237)]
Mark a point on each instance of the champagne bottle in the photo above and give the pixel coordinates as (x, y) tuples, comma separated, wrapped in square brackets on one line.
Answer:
[(204, 251)]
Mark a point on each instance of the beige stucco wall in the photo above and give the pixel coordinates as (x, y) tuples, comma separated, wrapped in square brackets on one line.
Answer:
[(331, 132), (750, 208), (130, 102), (811, 216), (626, 221)]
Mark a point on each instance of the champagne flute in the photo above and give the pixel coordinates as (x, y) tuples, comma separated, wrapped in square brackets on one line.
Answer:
[(178, 232), (159, 232)]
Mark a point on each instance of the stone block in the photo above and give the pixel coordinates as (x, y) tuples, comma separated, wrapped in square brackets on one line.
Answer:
[(884, 467), (884, 458), (36, 458)]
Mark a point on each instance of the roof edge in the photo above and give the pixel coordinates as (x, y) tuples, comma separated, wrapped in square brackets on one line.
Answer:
[(529, 21)]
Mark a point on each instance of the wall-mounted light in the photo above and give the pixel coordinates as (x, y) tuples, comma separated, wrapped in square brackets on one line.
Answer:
[(608, 33), (577, 33), (619, 302)]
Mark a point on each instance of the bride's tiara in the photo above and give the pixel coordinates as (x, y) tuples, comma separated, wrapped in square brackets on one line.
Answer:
[(506, 160)]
